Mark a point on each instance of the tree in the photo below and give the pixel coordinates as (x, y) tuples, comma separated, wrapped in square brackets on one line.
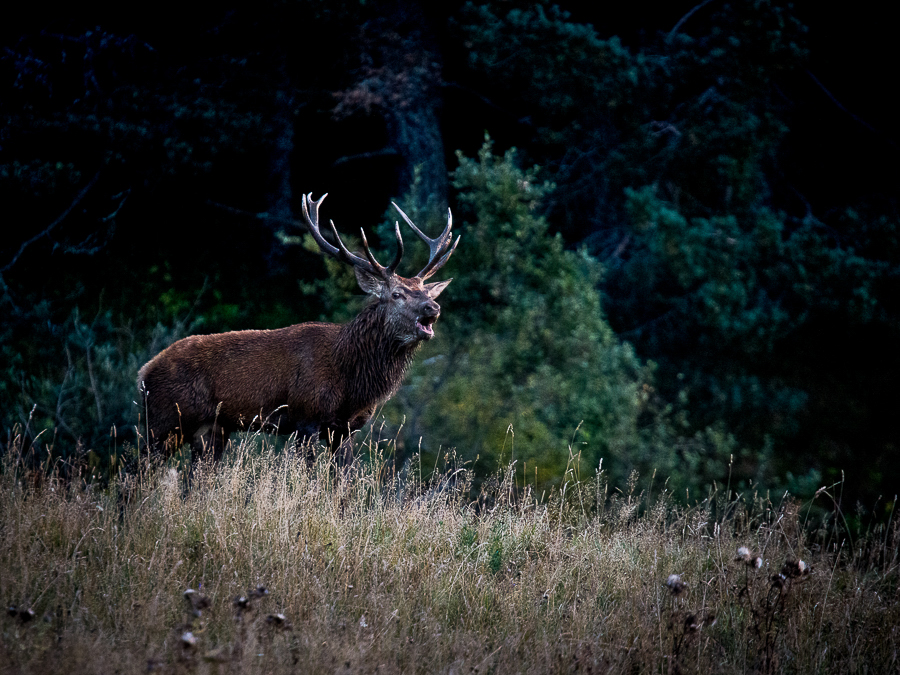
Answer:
[(151, 171), (526, 367), (669, 165)]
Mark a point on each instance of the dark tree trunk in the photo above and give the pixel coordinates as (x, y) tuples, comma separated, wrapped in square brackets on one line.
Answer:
[(415, 132), (399, 77)]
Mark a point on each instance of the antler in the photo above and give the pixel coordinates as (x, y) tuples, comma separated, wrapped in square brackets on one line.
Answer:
[(340, 252), (438, 247)]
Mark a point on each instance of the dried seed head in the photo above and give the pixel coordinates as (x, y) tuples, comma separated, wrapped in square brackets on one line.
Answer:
[(691, 623), (279, 621), (755, 563), (26, 614), (196, 601), (188, 640), (675, 584), (743, 553), (242, 602), (793, 569)]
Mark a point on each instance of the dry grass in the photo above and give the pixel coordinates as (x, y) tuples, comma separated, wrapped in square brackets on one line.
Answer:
[(295, 570)]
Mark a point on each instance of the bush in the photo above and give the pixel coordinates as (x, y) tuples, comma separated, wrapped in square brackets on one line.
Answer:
[(525, 367)]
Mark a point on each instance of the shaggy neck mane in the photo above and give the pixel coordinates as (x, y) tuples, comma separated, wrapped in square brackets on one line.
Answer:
[(371, 357)]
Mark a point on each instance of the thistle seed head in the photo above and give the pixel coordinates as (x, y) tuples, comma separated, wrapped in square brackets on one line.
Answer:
[(188, 640), (259, 592), (195, 601), (794, 569), (675, 584), (23, 614), (278, 621)]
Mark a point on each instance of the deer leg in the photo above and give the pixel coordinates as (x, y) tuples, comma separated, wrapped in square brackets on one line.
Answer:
[(162, 426), (209, 438), (341, 443), (205, 441), (342, 438), (304, 446), (343, 452)]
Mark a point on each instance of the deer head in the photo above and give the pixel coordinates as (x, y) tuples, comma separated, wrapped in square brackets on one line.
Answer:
[(408, 304)]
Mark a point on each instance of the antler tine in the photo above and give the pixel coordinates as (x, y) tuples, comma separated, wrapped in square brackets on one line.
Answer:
[(432, 268), (327, 247), (312, 223), (438, 253), (399, 256), (383, 271), (341, 252), (352, 258)]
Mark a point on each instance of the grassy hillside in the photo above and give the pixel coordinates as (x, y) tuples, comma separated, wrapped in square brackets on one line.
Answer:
[(399, 571)]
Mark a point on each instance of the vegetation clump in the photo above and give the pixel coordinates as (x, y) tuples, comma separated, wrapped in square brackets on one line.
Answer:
[(399, 569)]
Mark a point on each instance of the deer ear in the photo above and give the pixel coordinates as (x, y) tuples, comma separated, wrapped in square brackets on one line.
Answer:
[(369, 282), (434, 290)]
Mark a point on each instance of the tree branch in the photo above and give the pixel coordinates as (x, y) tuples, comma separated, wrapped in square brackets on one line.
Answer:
[(259, 215), (687, 16), (384, 152), (46, 231), (841, 106)]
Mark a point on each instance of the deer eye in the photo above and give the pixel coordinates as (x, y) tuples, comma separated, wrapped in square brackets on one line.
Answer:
[(396, 295)]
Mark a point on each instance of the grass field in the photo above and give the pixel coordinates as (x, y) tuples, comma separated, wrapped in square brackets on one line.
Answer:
[(294, 570)]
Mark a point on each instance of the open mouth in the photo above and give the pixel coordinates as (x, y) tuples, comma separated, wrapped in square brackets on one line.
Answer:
[(425, 326)]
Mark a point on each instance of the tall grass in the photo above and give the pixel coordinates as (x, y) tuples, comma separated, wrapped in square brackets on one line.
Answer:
[(266, 564)]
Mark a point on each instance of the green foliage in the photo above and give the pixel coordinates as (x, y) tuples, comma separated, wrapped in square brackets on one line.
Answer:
[(670, 161), (583, 75), (525, 367), (738, 286), (524, 341), (70, 386), (718, 273)]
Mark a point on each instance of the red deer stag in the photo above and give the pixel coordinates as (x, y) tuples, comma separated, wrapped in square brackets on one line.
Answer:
[(311, 378)]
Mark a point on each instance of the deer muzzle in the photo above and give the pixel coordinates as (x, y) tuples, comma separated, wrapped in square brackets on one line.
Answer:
[(425, 326)]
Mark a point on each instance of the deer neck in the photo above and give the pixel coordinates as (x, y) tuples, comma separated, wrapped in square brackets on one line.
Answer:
[(371, 359)]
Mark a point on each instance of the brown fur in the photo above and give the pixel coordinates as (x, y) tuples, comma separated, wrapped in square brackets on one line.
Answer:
[(311, 378)]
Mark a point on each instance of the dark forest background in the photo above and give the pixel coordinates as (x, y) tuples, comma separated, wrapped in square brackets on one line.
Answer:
[(679, 226)]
